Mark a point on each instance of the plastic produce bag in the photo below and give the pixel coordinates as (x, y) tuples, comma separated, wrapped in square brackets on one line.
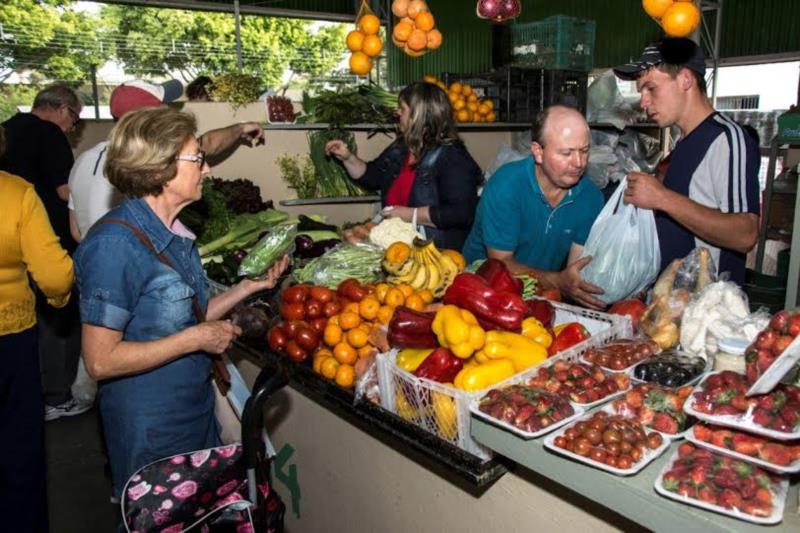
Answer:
[(715, 305), (274, 245), (359, 261), (623, 244), (672, 293)]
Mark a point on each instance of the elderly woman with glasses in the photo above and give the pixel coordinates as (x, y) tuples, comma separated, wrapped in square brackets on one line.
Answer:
[(149, 326)]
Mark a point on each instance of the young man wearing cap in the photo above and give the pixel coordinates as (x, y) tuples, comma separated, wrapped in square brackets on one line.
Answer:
[(710, 193), (91, 194)]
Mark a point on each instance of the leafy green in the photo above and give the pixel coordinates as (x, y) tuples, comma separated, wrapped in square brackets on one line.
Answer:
[(244, 231), (304, 180), (332, 178), (366, 104)]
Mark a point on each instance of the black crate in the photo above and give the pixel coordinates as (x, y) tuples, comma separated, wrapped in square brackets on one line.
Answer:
[(520, 93)]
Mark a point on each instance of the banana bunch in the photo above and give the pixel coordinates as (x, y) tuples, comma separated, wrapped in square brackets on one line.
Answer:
[(425, 267)]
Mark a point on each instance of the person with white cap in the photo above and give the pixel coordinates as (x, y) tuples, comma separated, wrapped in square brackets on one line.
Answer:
[(710, 193), (92, 196)]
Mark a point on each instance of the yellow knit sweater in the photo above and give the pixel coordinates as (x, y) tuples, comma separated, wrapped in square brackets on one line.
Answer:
[(28, 245)]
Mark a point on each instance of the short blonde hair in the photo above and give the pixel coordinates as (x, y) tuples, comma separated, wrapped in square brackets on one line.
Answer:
[(142, 148)]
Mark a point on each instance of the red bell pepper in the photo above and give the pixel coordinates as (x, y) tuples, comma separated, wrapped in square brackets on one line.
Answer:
[(541, 310), (570, 335), (497, 275), (411, 329), (492, 308), (440, 365)]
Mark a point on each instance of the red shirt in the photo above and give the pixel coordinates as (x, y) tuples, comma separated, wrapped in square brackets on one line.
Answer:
[(400, 190)]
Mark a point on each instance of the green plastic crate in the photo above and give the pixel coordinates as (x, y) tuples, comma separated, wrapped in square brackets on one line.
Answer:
[(557, 42)]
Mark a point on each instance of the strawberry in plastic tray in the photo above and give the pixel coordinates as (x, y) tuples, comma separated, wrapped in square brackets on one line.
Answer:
[(656, 407), (721, 399), (526, 409), (621, 354), (777, 456), (773, 353), (582, 384), (700, 477)]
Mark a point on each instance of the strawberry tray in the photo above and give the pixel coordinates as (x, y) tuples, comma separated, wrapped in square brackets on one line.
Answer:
[(791, 468), (743, 421), (475, 410), (779, 492)]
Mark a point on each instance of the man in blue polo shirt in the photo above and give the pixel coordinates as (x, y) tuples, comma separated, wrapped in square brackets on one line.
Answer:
[(535, 214), (709, 196)]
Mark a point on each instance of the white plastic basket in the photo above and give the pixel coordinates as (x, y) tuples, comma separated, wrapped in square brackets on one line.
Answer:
[(445, 411)]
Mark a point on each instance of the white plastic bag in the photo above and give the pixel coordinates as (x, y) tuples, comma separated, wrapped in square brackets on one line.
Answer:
[(623, 244)]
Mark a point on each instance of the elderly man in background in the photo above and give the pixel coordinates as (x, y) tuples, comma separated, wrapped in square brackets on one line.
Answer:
[(37, 149), (535, 214)]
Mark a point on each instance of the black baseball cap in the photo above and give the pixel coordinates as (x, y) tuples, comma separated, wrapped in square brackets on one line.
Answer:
[(670, 51)]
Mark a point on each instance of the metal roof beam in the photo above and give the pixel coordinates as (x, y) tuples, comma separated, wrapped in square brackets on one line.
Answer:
[(245, 9)]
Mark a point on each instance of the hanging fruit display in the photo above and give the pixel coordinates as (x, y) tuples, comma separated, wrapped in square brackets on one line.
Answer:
[(365, 41), (415, 27), (678, 18), (468, 106), (498, 10)]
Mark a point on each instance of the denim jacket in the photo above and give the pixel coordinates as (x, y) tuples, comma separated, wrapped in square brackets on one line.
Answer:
[(123, 286), (447, 181)]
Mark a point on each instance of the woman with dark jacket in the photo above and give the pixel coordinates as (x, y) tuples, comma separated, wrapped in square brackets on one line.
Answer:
[(426, 171)]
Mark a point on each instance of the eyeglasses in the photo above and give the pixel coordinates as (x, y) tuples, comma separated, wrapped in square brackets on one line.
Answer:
[(76, 116), (199, 158)]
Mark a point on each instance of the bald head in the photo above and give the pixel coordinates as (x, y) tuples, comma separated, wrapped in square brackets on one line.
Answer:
[(557, 121)]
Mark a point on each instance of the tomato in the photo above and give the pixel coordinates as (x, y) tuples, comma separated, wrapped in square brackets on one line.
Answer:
[(594, 436), (318, 324), (295, 352), (560, 441), (624, 462), (598, 454), (313, 309), (331, 308), (290, 328), (356, 293), (343, 286), (322, 294), (550, 294), (632, 308), (582, 446), (276, 339), (611, 436), (307, 338), (654, 440), (293, 311), (295, 294)]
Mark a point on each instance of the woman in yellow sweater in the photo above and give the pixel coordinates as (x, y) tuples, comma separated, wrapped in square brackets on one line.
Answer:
[(29, 249)]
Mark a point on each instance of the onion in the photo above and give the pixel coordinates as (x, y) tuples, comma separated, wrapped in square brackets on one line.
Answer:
[(489, 9), (510, 8)]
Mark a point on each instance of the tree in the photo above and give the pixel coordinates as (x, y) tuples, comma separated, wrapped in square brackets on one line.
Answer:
[(48, 37), (161, 41)]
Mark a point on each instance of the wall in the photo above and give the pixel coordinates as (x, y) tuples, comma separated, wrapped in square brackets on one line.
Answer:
[(351, 481), (259, 163)]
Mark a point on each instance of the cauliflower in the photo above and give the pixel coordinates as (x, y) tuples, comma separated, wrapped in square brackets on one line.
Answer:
[(392, 230)]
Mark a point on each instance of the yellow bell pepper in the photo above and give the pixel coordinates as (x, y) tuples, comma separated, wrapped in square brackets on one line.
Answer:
[(535, 330), (404, 409), (519, 349), (444, 409), (410, 358), (479, 377), (458, 330)]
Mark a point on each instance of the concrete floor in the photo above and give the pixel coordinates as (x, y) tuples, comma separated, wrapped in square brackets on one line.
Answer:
[(78, 488)]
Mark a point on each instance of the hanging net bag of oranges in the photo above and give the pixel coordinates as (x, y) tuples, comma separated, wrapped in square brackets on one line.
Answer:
[(415, 27), (364, 42), (678, 18)]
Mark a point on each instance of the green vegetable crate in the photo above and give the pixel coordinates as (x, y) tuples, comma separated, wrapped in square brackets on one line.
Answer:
[(557, 42)]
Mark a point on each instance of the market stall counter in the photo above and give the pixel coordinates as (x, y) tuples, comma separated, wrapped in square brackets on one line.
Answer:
[(341, 467)]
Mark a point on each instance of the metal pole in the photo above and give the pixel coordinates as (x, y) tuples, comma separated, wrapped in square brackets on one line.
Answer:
[(717, 36), (95, 92), (237, 25)]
